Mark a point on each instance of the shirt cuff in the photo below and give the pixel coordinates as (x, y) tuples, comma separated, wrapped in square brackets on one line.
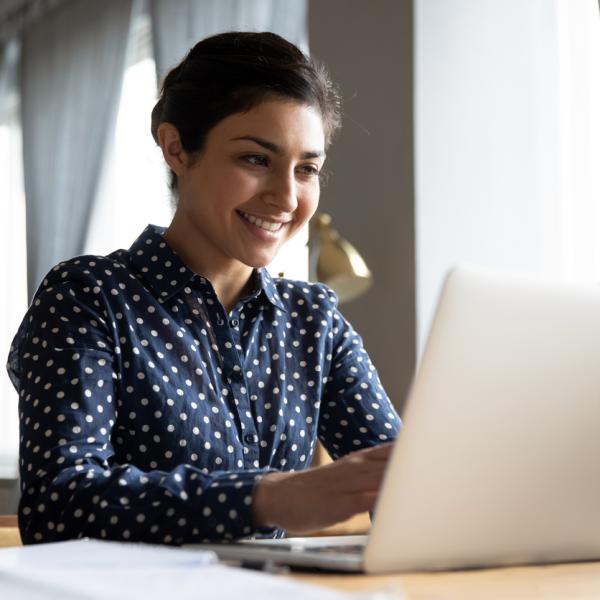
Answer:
[(225, 508)]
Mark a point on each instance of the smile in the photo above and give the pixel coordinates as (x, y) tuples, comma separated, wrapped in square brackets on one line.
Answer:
[(262, 223)]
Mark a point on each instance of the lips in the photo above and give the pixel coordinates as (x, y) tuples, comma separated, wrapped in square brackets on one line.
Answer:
[(272, 226)]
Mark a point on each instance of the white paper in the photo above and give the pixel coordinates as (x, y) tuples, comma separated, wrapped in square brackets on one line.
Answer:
[(98, 570), (97, 554)]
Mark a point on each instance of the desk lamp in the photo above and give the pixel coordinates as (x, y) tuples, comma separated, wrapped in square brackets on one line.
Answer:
[(335, 262)]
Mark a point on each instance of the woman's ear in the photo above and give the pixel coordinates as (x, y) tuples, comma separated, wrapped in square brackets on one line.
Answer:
[(170, 144)]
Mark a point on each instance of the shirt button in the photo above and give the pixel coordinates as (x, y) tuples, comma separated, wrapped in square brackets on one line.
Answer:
[(234, 322), (236, 376), (250, 438)]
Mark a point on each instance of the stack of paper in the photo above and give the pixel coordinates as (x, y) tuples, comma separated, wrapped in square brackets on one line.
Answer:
[(94, 570)]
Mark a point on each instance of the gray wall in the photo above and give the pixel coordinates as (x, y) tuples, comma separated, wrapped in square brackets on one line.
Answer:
[(368, 47), (8, 496)]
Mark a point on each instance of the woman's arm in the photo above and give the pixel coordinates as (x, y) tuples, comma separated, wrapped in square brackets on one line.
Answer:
[(308, 500), (74, 482), (355, 411), (356, 423)]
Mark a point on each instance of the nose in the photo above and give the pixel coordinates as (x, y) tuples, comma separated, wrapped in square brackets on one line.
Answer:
[(282, 192)]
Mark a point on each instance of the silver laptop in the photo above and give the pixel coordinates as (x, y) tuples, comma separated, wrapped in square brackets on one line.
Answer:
[(498, 462)]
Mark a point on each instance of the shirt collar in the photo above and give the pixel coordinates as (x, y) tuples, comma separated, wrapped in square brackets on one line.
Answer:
[(158, 263), (270, 290), (165, 272)]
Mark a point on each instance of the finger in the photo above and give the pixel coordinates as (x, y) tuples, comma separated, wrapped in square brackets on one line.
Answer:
[(376, 453), (370, 484), (362, 502), (382, 449), (359, 482), (358, 465)]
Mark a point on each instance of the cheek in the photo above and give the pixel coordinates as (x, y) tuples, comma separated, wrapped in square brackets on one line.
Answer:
[(236, 181), (308, 203), (228, 187)]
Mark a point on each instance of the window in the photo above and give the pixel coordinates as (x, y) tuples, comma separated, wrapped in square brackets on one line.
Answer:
[(133, 189), (13, 268), (578, 33)]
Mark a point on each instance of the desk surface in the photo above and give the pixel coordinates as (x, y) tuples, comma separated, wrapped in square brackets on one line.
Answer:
[(565, 582), (557, 582)]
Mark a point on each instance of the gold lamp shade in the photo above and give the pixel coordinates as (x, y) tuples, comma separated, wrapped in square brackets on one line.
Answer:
[(335, 262)]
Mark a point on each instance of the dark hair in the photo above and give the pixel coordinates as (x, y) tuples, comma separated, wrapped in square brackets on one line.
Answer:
[(234, 72)]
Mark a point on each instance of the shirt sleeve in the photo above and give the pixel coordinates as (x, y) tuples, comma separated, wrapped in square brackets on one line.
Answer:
[(64, 364), (356, 412)]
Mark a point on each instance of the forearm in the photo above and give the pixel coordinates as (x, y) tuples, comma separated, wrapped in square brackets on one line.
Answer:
[(266, 507), (304, 501), (124, 503)]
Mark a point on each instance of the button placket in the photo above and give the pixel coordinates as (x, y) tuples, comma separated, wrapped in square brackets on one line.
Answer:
[(234, 320), (250, 438), (215, 309), (240, 390)]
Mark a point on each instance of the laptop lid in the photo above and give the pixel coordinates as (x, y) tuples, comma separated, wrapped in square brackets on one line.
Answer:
[(498, 461)]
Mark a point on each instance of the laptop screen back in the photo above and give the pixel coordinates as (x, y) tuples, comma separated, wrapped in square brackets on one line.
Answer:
[(499, 458)]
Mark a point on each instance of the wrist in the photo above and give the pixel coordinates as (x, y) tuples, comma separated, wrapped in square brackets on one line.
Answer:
[(264, 501)]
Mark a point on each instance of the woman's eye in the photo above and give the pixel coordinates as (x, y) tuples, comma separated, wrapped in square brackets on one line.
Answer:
[(309, 170), (256, 159)]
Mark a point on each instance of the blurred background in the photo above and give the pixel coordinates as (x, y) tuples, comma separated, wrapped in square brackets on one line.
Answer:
[(471, 135)]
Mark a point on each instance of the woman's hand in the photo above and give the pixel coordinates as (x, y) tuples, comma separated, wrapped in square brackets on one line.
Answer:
[(308, 500)]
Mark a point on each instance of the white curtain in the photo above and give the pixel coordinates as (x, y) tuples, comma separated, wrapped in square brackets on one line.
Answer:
[(578, 109), (507, 135), (177, 26), (9, 54), (13, 297), (133, 189), (72, 68)]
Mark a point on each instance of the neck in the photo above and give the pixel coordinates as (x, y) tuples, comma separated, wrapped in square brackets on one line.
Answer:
[(230, 278)]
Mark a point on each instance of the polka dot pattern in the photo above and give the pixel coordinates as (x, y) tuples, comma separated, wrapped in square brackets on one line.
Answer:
[(149, 413)]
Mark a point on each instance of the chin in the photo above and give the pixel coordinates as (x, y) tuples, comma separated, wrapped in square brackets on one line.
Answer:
[(259, 262), (258, 257)]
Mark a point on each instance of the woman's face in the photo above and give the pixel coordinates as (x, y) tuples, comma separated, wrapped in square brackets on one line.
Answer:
[(255, 183)]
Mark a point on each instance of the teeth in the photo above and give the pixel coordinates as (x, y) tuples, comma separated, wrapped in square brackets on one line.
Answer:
[(263, 224)]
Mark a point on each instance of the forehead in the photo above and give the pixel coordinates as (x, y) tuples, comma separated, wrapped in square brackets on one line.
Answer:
[(288, 124)]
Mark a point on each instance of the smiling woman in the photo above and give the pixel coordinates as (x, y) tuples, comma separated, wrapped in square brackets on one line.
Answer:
[(253, 186), (174, 392)]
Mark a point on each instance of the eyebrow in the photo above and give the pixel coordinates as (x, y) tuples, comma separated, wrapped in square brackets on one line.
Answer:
[(275, 148)]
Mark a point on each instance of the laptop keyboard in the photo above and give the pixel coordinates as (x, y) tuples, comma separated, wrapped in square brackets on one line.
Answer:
[(350, 549), (354, 547)]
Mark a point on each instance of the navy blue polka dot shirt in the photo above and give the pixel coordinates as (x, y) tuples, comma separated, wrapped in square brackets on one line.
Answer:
[(149, 413)]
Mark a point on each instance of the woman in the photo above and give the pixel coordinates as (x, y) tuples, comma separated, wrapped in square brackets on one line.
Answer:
[(174, 392)]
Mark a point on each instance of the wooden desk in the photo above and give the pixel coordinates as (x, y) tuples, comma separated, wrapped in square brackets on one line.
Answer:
[(575, 581), (9, 533)]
